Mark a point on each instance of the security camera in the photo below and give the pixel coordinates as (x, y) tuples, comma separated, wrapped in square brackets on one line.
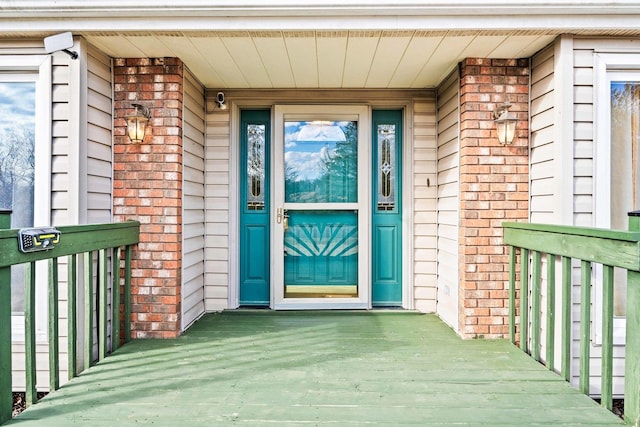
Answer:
[(220, 101), (60, 42)]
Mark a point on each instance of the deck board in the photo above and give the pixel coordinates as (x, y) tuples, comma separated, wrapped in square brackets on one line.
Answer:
[(264, 368)]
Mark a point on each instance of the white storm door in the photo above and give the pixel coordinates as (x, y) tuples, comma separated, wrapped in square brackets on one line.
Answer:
[(321, 210)]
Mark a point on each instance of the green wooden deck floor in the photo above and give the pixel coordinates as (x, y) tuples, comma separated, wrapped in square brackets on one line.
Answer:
[(266, 368)]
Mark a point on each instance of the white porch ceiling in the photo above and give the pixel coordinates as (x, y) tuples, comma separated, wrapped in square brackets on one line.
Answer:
[(321, 59), (320, 44)]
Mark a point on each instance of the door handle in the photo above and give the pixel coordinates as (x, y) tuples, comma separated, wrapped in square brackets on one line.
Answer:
[(282, 218)]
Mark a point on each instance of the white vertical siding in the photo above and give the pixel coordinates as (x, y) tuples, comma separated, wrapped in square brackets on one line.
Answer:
[(193, 211), (448, 184), (217, 179), (424, 203)]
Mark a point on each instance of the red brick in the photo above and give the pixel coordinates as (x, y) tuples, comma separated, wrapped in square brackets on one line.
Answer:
[(148, 187), (494, 188)]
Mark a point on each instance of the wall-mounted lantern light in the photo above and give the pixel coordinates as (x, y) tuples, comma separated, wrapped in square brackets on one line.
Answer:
[(505, 123), (137, 123)]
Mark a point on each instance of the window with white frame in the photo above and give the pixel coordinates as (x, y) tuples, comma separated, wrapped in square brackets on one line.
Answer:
[(617, 154), (25, 158), (17, 162)]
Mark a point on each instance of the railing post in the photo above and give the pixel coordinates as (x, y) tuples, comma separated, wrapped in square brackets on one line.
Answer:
[(6, 401), (512, 294), (632, 350)]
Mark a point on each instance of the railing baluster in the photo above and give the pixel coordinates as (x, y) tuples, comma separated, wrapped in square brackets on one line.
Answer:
[(103, 322), (535, 306), (585, 324), (76, 240), (6, 400), (632, 344), (54, 363), (610, 248), (607, 337), (632, 351), (72, 283), (551, 310), (30, 332), (512, 294), (524, 299), (566, 318), (127, 293), (88, 309), (115, 301)]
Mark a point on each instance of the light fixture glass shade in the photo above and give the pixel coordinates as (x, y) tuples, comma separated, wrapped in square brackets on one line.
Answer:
[(505, 124), (137, 123), (136, 128)]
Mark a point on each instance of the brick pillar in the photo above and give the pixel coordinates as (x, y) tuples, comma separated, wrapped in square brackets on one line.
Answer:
[(148, 188), (494, 187)]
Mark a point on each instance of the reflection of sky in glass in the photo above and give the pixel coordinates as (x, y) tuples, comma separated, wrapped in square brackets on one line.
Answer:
[(17, 105), (307, 145)]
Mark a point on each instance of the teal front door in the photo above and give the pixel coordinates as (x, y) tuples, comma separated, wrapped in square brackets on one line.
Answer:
[(255, 137), (386, 209), (321, 208), (320, 245)]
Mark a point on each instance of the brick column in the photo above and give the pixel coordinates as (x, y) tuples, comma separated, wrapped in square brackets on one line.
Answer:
[(494, 187), (148, 188)]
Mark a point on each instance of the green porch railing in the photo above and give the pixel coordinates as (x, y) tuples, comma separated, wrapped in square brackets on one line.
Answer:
[(609, 248), (79, 244)]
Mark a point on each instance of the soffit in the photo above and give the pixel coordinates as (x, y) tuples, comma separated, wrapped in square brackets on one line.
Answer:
[(321, 44), (321, 59)]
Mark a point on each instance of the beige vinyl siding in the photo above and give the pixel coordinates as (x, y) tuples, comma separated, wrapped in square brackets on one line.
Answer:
[(217, 180), (563, 167), (60, 159), (91, 146), (584, 169), (542, 177), (99, 137), (448, 185), (584, 57), (424, 203), (583, 128), (193, 205)]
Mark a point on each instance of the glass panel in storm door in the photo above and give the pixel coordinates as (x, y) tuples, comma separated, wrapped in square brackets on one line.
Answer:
[(320, 162), (321, 243)]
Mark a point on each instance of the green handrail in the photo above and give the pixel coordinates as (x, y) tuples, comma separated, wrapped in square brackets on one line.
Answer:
[(609, 248), (77, 246)]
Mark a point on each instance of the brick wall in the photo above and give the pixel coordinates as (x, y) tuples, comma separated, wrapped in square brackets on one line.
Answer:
[(493, 188), (148, 188)]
